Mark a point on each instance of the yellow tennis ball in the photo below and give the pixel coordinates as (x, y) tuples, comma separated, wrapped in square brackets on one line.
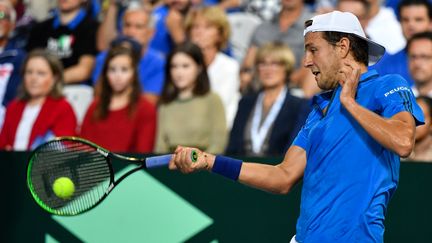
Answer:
[(63, 187)]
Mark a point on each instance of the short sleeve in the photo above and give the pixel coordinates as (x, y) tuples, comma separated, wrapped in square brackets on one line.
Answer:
[(394, 95), (302, 138)]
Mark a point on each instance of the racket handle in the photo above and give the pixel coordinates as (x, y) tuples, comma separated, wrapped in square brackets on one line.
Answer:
[(158, 161)]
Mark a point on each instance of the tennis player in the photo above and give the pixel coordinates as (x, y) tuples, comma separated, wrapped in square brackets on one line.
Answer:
[(348, 151)]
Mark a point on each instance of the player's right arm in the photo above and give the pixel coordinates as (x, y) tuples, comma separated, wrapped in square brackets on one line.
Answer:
[(272, 178), (276, 178)]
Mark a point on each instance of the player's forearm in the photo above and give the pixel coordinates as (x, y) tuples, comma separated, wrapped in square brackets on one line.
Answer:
[(271, 178), (396, 133), (266, 177), (277, 179)]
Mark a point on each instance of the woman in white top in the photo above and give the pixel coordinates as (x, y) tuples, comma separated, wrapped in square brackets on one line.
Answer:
[(209, 28)]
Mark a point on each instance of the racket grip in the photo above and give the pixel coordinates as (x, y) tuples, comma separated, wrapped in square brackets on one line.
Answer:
[(158, 161)]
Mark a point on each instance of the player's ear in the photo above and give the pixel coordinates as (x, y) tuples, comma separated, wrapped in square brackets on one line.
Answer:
[(344, 46)]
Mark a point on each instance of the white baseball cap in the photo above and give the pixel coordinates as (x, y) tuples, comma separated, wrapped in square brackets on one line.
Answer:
[(344, 22)]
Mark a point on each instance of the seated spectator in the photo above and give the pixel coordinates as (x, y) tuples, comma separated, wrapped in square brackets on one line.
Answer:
[(170, 18), (120, 118), (208, 28), (138, 25), (420, 63), (11, 57), (189, 112), (267, 121), (384, 28), (360, 8), (70, 35), (39, 10), (264, 9), (423, 138), (287, 27), (40, 112), (415, 17)]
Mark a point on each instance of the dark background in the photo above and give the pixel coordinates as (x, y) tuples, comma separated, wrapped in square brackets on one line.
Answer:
[(240, 214)]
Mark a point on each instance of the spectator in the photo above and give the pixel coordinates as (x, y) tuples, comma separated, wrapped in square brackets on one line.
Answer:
[(287, 27), (137, 24), (11, 57), (189, 112), (113, 18), (39, 10), (208, 28), (371, 15), (360, 8), (170, 24), (264, 9), (267, 121), (40, 112), (70, 35), (420, 63), (384, 28), (415, 17), (120, 119), (423, 139)]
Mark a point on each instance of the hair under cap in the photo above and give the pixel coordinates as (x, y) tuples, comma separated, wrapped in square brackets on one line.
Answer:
[(344, 22)]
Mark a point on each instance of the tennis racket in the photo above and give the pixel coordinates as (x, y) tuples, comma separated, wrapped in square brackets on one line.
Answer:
[(87, 168)]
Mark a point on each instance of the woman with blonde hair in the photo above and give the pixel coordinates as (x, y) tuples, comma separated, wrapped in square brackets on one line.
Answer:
[(209, 28), (268, 121)]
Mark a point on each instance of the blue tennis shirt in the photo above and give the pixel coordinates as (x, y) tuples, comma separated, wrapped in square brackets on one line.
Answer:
[(349, 177)]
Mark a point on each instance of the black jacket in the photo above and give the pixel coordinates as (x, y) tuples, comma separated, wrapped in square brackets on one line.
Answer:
[(287, 124)]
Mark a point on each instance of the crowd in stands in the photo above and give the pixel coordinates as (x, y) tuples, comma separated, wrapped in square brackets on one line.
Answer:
[(144, 76)]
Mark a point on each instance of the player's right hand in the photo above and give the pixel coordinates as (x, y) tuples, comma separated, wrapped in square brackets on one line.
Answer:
[(188, 160)]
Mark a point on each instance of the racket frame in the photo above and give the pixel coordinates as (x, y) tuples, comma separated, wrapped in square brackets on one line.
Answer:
[(108, 157)]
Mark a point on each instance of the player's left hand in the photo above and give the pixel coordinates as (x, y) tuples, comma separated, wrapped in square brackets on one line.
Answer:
[(350, 76)]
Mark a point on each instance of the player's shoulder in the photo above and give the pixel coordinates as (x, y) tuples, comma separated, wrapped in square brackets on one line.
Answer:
[(392, 82), (386, 85), (382, 82)]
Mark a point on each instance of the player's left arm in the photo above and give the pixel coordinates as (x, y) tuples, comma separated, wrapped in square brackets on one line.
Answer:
[(396, 133)]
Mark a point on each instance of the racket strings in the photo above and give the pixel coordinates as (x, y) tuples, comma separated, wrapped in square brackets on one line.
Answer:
[(81, 163)]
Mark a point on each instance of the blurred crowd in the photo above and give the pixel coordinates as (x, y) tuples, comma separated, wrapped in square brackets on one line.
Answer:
[(225, 76)]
